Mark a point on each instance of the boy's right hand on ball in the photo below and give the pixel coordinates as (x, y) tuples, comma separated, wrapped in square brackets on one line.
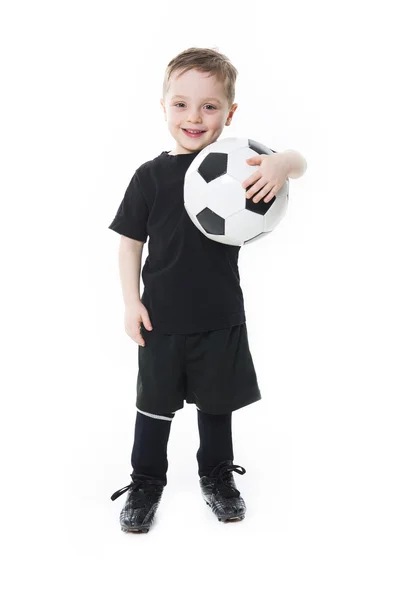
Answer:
[(135, 315)]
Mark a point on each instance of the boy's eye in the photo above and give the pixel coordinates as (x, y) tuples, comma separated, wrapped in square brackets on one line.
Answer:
[(213, 107)]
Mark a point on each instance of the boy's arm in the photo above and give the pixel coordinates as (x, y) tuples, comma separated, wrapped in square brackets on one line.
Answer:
[(275, 168), (297, 164), (130, 263)]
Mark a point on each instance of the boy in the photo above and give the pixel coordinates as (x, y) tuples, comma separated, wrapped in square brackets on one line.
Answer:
[(190, 322)]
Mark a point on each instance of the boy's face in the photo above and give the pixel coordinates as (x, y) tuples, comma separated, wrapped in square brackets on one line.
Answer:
[(196, 100)]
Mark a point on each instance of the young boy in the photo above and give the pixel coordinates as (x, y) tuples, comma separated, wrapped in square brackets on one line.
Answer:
[(190, 322)]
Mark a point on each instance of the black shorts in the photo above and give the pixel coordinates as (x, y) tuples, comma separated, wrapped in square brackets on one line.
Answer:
[(213, 370)]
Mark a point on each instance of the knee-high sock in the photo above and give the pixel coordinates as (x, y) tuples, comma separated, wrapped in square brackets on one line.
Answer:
[(149, 452), (215, 432)]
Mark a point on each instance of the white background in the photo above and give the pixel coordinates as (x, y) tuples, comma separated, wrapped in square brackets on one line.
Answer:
[(80, 112)]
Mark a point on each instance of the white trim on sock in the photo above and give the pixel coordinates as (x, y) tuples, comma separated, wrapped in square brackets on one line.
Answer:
[(155, 416)]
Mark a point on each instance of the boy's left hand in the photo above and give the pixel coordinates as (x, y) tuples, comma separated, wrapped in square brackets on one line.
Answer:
[(269, 178)]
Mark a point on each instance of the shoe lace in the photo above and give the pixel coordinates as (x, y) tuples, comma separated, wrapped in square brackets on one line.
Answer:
[(222, 474), (140, 487)]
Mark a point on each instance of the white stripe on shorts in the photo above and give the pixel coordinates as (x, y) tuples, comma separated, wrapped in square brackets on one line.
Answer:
[(155, 416)]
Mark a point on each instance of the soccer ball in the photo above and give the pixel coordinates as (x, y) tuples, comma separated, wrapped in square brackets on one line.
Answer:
[(216, 201)]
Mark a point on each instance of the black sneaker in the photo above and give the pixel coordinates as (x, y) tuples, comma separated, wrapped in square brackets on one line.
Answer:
[(221, 494), (141, 504)]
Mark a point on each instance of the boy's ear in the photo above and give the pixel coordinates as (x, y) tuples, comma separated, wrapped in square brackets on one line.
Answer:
[(231, 113), (163, 107)]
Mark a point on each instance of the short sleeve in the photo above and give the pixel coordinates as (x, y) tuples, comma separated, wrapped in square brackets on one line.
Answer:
[(132, 214)]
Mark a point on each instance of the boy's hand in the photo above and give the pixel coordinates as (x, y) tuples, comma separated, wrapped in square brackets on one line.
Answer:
[(136, 314), (270, 177)]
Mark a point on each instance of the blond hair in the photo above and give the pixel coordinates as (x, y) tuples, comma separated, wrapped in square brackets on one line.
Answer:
[(206, 60)]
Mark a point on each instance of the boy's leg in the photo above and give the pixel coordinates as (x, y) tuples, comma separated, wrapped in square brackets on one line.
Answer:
[(149, 452), (215, 432)]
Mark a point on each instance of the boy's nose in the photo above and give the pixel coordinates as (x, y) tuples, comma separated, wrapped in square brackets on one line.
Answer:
[(194, 118)]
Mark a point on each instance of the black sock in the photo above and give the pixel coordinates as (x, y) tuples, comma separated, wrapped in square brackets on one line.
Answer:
[(149, 452), (215, 432)]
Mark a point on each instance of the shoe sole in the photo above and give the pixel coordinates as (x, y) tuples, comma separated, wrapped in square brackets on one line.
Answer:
[(239, 517), (136, 530)]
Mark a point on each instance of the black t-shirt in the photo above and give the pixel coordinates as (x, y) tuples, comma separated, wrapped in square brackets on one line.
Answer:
[(191, 283)]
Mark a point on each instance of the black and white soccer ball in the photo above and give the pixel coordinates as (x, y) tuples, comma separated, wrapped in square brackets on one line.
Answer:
[(216, 201)]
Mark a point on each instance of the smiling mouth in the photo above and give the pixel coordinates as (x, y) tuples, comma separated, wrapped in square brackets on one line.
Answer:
[(193, 132)]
